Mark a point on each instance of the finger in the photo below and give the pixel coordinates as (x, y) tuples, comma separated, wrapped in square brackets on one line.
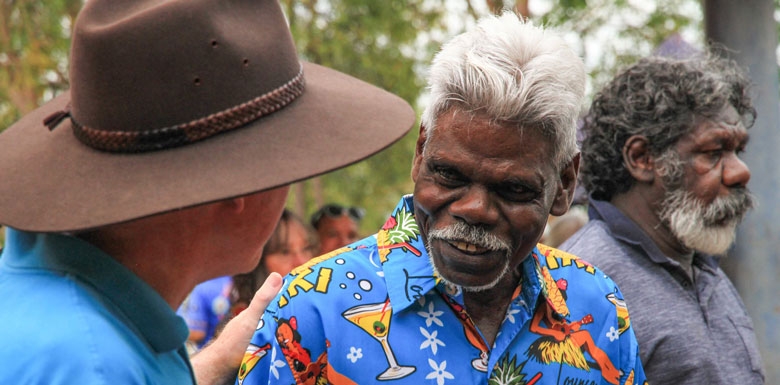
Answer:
[(265, 294), (219, 360)]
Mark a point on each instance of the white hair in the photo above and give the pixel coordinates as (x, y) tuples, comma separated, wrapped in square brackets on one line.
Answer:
[(706, 227), (514, 73), (684, 216)]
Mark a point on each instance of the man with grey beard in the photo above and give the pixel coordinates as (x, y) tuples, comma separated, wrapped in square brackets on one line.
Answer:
[(454, 288), (667, 191)]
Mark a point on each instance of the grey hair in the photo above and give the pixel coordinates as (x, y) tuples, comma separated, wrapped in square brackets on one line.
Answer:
[(658, 98), (513, 72)]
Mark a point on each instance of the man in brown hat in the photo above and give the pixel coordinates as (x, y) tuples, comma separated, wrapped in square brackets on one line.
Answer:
[(165, 164)]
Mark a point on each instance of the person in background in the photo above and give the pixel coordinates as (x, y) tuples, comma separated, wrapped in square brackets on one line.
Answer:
[(205, 309), (292, 244), (661, 160), (453, 288), (167, 163), (336, 226)]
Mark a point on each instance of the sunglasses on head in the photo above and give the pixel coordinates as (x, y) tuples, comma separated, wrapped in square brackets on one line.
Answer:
[(335, 211)]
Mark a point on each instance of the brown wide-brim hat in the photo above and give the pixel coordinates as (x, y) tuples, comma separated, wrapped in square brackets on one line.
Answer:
[(173, 104)]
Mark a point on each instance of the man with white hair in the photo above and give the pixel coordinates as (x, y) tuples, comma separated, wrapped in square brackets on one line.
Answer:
[(454, 288), (668, 188)]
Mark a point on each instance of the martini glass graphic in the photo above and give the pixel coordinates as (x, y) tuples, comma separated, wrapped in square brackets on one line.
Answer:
[(252, 355), (374, 319)]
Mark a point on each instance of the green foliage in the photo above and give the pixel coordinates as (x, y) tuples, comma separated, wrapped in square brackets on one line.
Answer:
[(34, 41), (375, 184), (574, 4), (366, 39), (611, 34), (378, 42)]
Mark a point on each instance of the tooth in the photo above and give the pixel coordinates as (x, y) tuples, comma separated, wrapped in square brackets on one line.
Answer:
[(472, 248)]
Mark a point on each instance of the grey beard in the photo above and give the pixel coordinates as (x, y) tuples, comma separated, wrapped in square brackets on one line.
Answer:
[(477, 236), (709, 229)]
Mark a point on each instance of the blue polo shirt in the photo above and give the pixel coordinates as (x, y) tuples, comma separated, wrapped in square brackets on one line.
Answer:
[(70, 314)]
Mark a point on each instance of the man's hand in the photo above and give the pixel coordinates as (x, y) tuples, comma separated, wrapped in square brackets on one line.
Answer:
[(218, 362)]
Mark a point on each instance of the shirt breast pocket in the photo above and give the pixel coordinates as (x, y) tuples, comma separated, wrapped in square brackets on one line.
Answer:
[(744, 328)]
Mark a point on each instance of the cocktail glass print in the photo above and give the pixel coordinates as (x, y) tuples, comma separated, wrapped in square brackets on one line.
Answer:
[(374, 319), (252, 355), (481, 362), (472, 335), (476, 341)]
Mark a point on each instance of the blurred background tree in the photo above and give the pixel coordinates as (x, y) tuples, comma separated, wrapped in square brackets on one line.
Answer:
[(379, 42), (386, 43), (34, 43)]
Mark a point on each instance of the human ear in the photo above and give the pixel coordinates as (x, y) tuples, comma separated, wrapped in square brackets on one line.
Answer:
[(637, 159), (568, 183), (236, 205), (418, 152)]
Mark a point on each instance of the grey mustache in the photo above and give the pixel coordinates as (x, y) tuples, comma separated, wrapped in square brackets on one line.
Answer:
[(461, 232)]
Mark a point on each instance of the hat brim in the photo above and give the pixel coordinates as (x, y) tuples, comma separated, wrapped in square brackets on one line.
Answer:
[(51, 182)]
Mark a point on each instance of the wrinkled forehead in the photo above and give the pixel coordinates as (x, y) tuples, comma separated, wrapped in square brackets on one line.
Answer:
[(726, 127), (735, 129), (459, 119), (727, 120)]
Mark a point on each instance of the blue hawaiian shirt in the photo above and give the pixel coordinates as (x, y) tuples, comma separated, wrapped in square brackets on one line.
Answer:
[(375, 312)]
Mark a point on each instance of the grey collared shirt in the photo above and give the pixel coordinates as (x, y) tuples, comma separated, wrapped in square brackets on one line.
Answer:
[(689, 332)]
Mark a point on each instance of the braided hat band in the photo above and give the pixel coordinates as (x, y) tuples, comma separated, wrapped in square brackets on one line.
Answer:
[(190, 132)]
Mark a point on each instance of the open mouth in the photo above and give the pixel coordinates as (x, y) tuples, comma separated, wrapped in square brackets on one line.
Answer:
[(470, 256), (468, 247), (468, 264)]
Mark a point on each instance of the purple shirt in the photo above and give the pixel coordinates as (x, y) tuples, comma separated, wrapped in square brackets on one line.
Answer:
[(689, 332)]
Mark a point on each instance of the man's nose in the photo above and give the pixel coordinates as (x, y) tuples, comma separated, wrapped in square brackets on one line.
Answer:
[(735, 171), (475, 207)]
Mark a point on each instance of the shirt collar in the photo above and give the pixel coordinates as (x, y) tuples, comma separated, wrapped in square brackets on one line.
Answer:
[(409, 274), (548, 287), (404, 259), (625, 229), (144, 309)]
